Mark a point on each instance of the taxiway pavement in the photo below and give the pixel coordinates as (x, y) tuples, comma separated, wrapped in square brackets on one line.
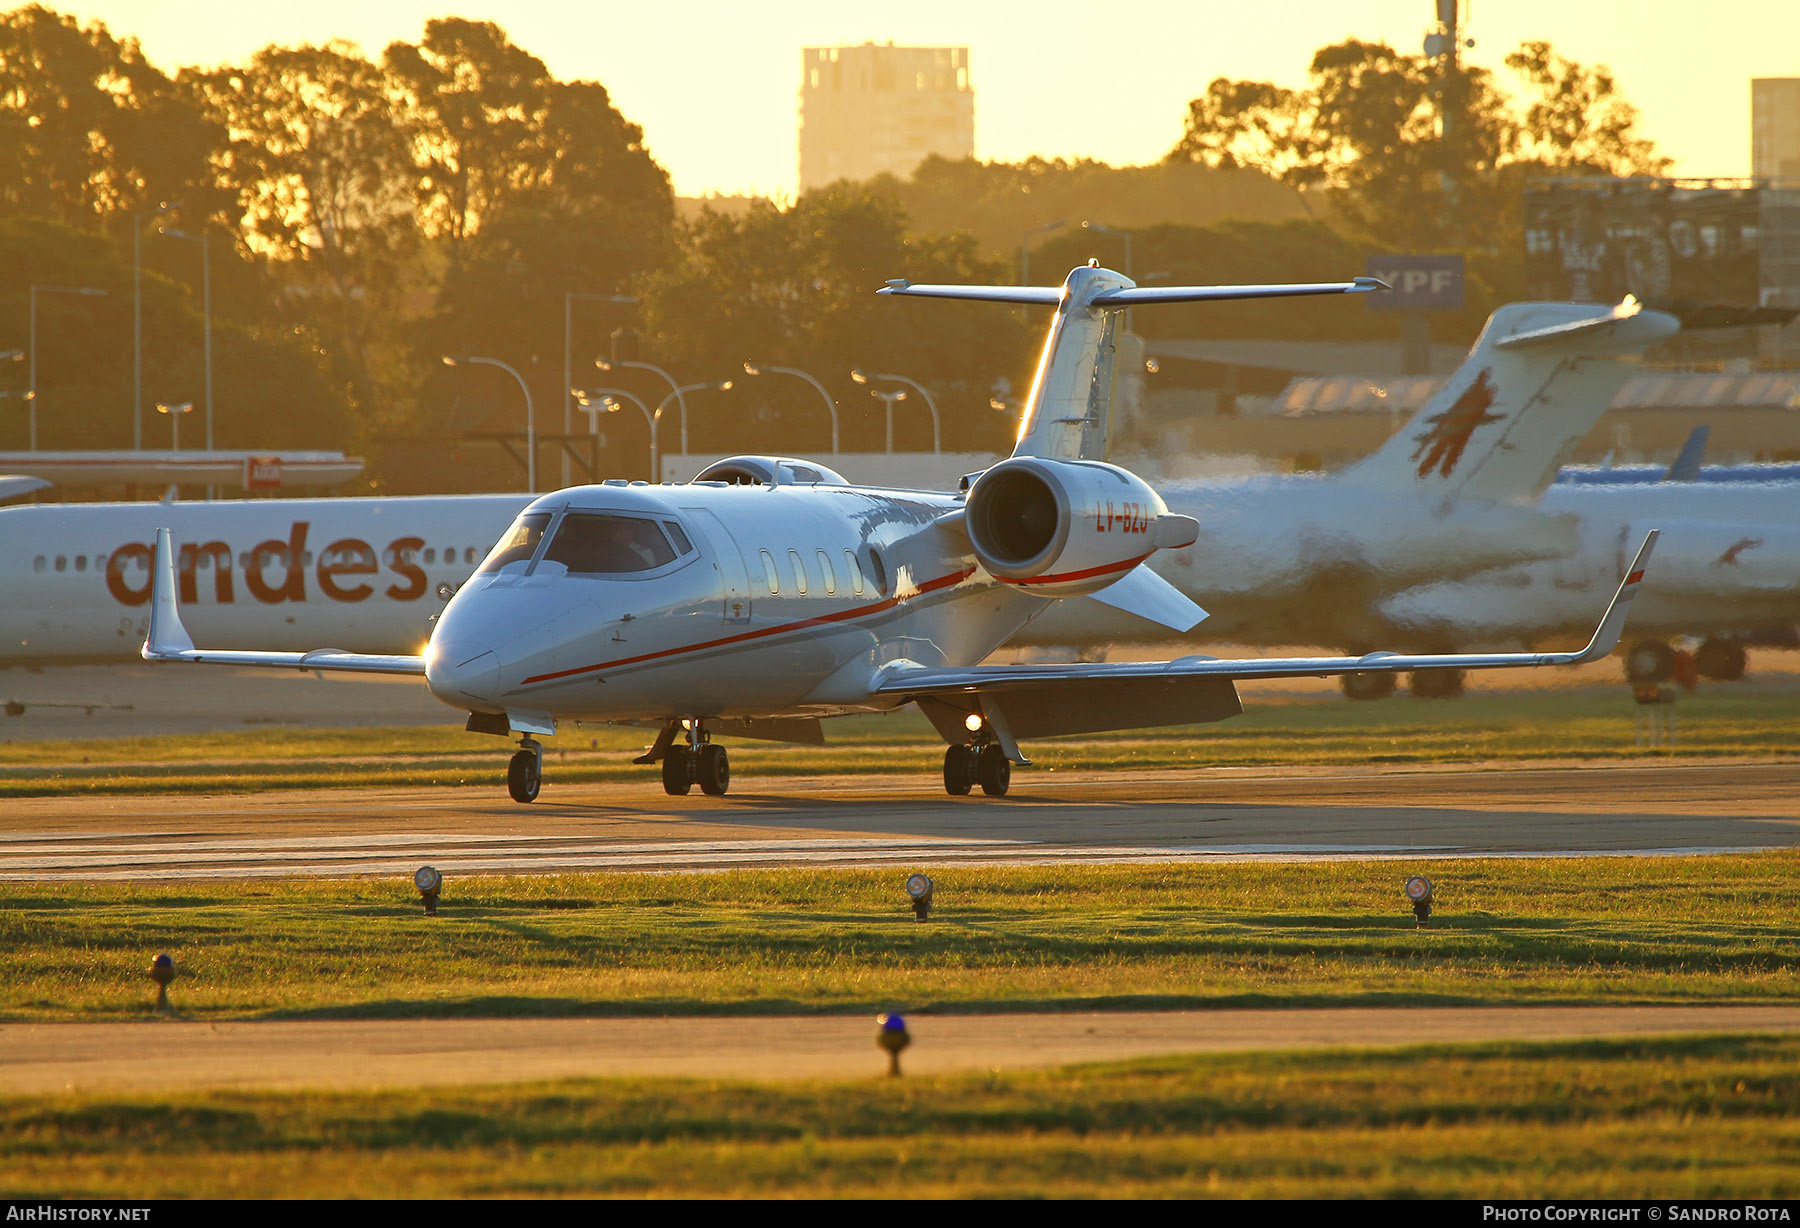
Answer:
[(38, 1059), (1208, 814)]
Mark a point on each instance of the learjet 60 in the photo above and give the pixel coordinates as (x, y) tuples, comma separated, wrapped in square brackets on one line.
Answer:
[(771, 593)]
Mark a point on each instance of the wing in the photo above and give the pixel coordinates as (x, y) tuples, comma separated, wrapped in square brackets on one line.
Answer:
[(168, 640), (1042, 700)]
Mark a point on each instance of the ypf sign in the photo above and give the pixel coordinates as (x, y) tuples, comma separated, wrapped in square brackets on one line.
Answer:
[(1421, 283)]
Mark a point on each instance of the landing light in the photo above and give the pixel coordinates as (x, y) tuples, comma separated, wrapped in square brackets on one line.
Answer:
[(429, 882), (918, 889), (972, 722), (1419, 892)]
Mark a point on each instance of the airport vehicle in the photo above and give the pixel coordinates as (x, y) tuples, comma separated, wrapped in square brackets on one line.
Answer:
[(723, 606), (366, 574), (1308, 558)]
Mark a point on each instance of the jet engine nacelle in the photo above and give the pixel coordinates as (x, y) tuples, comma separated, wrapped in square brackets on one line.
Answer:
[(1063, 528)]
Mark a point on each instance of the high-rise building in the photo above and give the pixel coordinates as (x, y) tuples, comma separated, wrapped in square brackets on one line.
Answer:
[(881, 108), (1775, 128)]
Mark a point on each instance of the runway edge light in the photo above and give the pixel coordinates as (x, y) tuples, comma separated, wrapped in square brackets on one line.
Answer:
[(892, 1036), (1420, 892), (162, 971), (918, 889), (429, 882)]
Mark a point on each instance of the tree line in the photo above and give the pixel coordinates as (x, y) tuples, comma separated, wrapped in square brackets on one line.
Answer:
[(365, 215)]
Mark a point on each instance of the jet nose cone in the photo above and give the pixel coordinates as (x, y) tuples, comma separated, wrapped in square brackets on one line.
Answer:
[(462, 674)]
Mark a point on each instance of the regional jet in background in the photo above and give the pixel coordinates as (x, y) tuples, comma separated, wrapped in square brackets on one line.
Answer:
[(1308, 558), (1728, 573), (366, 574), (720, 607)]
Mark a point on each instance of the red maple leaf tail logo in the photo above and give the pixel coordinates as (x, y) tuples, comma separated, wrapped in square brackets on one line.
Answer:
[(1442, 445)]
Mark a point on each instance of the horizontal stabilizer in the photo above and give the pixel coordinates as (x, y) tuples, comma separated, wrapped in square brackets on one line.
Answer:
[(1144, 593), (1626, 324), (1132, 296), (1029, 296)]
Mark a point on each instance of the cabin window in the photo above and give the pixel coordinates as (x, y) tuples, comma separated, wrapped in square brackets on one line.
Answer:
[(39, 563), (769, 572), (878, 571), (81, 562), (856, 580), (597, 544), (62, 562), (430, 555), (519, 543), (682, 544), (468, 554), (99, 562), (799, 570), (825, 572)]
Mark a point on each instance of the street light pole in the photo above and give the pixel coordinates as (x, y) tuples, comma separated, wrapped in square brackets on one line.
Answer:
[(569, 356), (675, 390), (138, 217), (204, 240), (610, 398), (887, 400), (752, 368), (530, 412), (175, 412), (720, 385), (936, 439), (32, 394)]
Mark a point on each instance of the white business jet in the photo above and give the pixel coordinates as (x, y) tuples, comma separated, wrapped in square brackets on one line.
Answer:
[(715, 608)]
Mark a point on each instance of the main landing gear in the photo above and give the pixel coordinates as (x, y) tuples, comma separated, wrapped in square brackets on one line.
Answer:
[(966, 766), (701, 762), (525, 774)]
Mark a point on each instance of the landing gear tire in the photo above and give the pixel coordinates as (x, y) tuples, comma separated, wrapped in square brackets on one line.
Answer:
[(712, 768), (1367, 684), (678, 771), (1437, 683), (1721, 660), (993, 770), (524, 776), (959, 770), (1649, 662)]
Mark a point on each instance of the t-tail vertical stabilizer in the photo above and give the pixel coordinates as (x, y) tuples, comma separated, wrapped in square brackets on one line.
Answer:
[(1538, 379), (1068, 414)]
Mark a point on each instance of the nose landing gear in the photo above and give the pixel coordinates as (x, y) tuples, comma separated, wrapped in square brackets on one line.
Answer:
[(525, 774)]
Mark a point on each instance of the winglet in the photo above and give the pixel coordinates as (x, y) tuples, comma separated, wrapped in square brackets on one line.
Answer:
[(1612, 623), (168, 639)]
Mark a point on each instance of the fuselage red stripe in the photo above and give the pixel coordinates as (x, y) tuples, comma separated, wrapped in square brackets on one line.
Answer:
[(887, 603), (1633, 578), (1085, 574)]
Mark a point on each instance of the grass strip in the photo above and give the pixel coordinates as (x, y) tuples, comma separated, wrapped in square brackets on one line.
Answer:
[(1613, 930), (1504, 727), (1690, 1118)]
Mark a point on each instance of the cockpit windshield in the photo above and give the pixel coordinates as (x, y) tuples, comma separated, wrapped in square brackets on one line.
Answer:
[(519, 544), (596, 543)]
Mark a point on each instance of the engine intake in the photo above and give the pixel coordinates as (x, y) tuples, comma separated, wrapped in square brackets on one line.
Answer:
[(1062, 528)]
